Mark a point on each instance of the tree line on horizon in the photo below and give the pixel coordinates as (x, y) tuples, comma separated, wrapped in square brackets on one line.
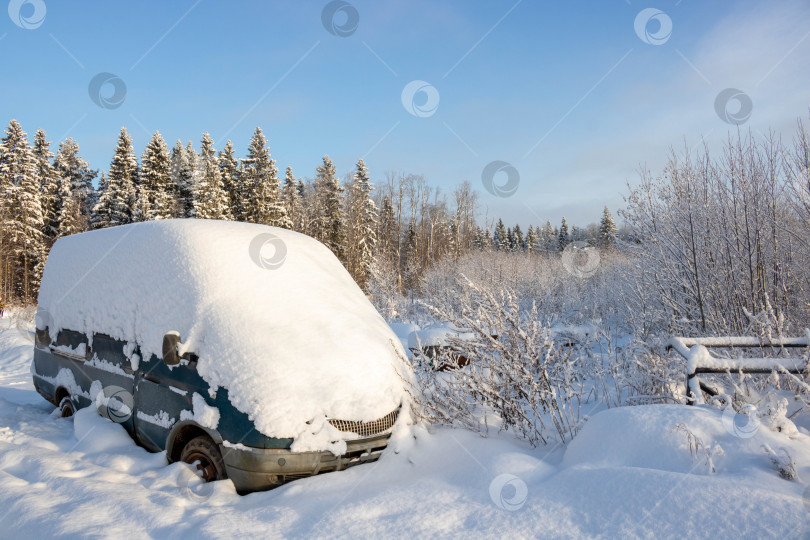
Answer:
[(406, 225)]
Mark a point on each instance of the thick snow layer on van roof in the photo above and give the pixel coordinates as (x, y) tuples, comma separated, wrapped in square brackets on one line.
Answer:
[(272, 314)]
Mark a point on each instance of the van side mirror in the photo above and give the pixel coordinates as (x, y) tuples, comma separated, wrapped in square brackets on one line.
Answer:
[(170, 342)]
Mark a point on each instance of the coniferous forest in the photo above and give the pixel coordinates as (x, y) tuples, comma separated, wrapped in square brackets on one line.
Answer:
[(402, 223)]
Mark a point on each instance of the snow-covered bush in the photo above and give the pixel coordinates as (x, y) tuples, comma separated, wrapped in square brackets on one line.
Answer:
[(518, 379)]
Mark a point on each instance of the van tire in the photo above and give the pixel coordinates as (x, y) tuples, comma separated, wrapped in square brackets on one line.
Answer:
[(66, 407), (208, 459)]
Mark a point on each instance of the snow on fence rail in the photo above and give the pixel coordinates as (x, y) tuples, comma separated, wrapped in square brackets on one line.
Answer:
[(699, 360)]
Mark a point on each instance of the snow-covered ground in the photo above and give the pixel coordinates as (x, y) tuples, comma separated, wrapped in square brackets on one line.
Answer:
[(652, 471)]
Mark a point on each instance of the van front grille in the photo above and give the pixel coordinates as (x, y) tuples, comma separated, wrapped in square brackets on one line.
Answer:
[(367, 429)]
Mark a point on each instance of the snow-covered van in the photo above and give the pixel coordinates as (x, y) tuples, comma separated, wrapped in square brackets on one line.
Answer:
[(245, 349)]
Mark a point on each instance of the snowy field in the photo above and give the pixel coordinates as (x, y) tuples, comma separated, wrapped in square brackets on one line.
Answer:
[(655, 471)]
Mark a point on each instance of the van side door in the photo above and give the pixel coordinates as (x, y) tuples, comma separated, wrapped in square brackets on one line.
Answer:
[(162, 394), (111, 362)]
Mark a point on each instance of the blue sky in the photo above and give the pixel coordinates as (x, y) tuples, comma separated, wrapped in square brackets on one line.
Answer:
[(566, 92)]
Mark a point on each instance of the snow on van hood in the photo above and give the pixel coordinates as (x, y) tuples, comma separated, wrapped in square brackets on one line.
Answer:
[(272, 314)]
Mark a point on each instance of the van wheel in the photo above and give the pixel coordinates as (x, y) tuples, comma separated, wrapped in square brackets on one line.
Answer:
[(66, 407), (204, 454)]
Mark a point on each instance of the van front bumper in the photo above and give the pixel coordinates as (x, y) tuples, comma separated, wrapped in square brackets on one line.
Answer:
[(258, 469)]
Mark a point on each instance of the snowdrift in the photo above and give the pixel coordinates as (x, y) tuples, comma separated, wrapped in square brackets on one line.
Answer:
[(272, 314)]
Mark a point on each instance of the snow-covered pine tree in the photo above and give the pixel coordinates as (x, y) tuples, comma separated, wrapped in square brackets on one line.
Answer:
[(210, 199), (453, 240), (48, 186), (7, 196), (157, 198), (187, 178), (520, 244), (76, 171), (306, 197), (263, 197), (71, 219), (539, 244), (488, 240), (411, 265), (549, 237), (117, 196), (387, 234), (562, 237), (500, 238), (182, 177), (291, 199), (531, 240), (330, 222), (229, 171), (102, 209), (607, 230), (22, 238), (361, 225), (478, 238)]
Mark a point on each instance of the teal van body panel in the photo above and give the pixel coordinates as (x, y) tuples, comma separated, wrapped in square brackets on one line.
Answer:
[(162, 409), (160, 393)]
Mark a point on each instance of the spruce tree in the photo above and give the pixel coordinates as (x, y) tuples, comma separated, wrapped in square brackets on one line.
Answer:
[(549, 237), (157, 198), (387, 235), (101, 212), (478, 238), (263, 197), (411, 267), (562, 237), (607, 230), (453, 243), (48, 186), (229, 171), (531, 240), (117, 197), (210, 199), (181, 172), (291, 199), (519, 241), (500, 239), (71, 219), (187, 179), (79, 177), (330, 222), (361, 230), (22, 239)]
